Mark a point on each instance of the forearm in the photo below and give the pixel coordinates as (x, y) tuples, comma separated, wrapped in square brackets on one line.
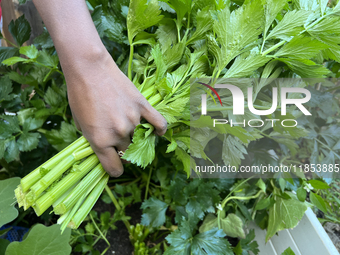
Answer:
[(72, 30)]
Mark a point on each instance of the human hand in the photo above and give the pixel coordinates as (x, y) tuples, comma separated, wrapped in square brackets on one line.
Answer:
[(107, 107)]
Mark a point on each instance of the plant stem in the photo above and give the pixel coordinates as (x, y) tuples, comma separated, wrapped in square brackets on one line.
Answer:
[(84, 186), (147, 184), (51, 196), (89, 202), (113, 199), (130, 62), (274, 47), (35, 175)]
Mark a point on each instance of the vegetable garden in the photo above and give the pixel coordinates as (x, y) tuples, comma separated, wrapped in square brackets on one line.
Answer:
[(155, 207)]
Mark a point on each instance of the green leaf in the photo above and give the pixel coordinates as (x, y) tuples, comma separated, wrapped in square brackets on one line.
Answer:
[(8, 126), (318, 202), (204, 24), (260, 183), (28, 141), (237, 30), (14, 60), (6, 89), (319, 184), (47, 59), (42, 240), (282, 183), (263, 204), (232, 226), (247, 244), (32, 124), (29, 51), (11, 150), (290, 25), (306, 68), (272, 8), (20, 30), (7, 210), (288, 251), (301, 47), (209, 222), (59, 139), (301, 194), (284, 214), (153, 212), (142, 14), (209, 242), (142, 149), (8, 52), (233, 151), (107, 25), (245, 67)]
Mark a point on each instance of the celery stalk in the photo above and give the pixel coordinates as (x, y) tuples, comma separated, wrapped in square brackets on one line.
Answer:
[(88, 203), (51, 196), (78, 155), (91, 179), (35, 175), (49, 178)]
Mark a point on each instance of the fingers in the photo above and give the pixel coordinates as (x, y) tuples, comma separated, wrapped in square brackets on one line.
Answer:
[(154, 118), (110, 161)]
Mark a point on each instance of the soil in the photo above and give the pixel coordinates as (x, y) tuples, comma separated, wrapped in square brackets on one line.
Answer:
[(119, 238)]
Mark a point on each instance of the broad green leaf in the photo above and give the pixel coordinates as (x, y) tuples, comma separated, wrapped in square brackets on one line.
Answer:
[(285, 213), (318, 202), (7, 210), (174, 110), (329, 25), (29, 51), (3, 245), (59, 139), (142, 14), (260, 183), (8, 126), (210, 222), (245, 67), (185, 158), (301, 194), (32, 124), (233, 151), (288, 251), (28, 141), (11, 150), (209, 242), (232, 226), (8, 52), (247, 244), (166, 33), (153, 212), (107, 25), (47, 59), (301, 47), (290, 25), (263, 204), (306, 68), (204, 24), (181, 7), (272, 8), (42, 240), (237, 30), (308, 5), (14, 60), (142, 149), (319, 184), (20, 30), (6, 89)]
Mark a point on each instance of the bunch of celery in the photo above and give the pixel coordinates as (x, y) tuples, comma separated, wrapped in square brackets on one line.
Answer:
[(71, 182)]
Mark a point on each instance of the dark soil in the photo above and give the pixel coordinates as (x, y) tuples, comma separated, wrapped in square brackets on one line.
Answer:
[(119, 238)]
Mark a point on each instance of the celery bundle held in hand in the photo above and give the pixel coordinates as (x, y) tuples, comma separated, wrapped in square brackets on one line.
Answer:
[(71, 182)]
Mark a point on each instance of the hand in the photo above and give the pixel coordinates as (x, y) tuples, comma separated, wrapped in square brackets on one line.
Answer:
[(107, 107)]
